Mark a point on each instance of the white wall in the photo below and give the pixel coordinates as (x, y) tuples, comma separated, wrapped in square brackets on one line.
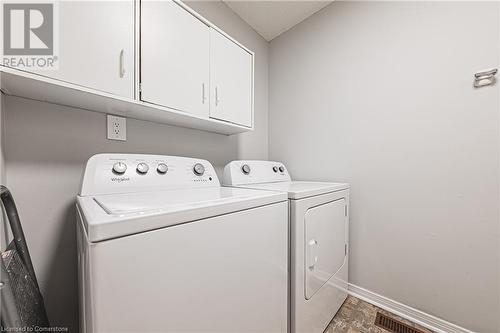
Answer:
[(380, 94), (47, 145)]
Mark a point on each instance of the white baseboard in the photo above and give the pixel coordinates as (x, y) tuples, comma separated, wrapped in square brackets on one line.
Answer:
[(435, 324)]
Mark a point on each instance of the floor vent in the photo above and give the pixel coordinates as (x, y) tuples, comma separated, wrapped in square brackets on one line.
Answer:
[(393, 325)]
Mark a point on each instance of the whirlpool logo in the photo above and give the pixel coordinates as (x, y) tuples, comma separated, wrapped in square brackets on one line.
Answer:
[(120, 180), (29, 35)]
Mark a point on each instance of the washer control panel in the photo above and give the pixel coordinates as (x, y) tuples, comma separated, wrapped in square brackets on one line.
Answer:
[(254, 172), (123, 173)]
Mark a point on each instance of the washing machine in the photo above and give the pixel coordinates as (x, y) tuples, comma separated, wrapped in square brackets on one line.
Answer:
[(162, 247), (319, 239)]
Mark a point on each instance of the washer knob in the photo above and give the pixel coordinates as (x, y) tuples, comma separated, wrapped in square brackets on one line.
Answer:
[(162, 168), (119, 168), (245, 169), (142, 168), (275, 168), (198, 169), (282, 168)]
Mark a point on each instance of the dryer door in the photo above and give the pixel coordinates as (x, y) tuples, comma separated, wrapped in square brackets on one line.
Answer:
[(325, 239)]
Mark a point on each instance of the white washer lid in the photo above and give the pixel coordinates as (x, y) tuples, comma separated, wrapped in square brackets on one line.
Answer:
[(299, 189), (111, 216)]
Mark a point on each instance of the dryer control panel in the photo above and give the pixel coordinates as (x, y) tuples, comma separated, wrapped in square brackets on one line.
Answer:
[(245, 172), (124, 173)]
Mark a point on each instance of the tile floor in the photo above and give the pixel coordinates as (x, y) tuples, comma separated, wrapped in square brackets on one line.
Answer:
[(357, 316)]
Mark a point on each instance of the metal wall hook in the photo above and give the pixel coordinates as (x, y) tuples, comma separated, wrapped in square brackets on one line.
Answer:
[(485, 78)]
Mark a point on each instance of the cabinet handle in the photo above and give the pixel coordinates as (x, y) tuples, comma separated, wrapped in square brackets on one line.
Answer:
[(122, 64), (216, 96), (203, 93)]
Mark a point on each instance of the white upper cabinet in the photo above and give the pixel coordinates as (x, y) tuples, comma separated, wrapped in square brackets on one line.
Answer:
[(155, 60), (174, 58), (231, 81), (189, 65), (96, 45)]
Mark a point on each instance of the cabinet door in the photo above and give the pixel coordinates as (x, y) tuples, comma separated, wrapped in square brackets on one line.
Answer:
[(325, 247), (96, 45), (231, 81), (174, 58)]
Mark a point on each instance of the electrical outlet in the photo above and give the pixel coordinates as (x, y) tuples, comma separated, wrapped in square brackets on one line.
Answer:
[(117, 128)]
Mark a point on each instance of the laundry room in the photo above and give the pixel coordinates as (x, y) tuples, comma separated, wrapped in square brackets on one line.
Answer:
[(250, 166)]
